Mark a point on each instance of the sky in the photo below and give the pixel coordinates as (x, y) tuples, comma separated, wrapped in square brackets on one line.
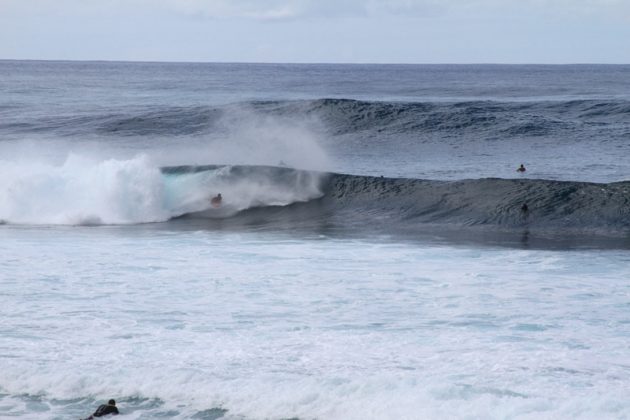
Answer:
[(318, 31)]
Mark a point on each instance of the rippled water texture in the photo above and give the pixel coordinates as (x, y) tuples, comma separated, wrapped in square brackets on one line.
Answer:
[(271, 326)]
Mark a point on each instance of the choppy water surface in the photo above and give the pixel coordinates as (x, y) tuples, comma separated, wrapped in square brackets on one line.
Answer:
[(189, 324)]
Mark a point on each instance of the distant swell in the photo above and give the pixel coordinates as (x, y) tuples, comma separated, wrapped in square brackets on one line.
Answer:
[(499, 118), (364, 203), (343, 116)]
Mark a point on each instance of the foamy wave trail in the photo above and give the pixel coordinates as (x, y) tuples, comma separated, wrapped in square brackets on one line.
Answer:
[(83, 191)]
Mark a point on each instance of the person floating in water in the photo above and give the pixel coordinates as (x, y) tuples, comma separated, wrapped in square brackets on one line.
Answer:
[(104, 410), (521, 168), (524, 208), (216, 201)]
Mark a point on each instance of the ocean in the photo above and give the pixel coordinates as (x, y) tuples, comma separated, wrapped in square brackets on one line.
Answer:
[(376, 255)]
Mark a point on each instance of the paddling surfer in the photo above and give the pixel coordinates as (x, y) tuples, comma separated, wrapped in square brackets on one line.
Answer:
[(105, 409)]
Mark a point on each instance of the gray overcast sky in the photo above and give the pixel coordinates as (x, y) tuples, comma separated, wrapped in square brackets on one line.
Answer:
[(354, 31)]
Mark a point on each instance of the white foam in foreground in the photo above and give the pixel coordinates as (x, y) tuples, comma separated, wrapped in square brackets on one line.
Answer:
[(272, 327)]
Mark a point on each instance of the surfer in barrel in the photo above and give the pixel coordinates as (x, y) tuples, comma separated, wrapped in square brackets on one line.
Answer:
[(216, 200)]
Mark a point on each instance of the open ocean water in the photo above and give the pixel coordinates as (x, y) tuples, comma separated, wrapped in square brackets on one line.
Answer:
[(370, 260)]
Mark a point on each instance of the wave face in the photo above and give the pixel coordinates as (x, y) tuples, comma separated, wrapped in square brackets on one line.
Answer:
[(551, 205), (83, 192), (396, 205)]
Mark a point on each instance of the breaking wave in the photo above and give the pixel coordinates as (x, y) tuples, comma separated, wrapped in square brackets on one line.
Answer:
[(81, 192), (392, 205)]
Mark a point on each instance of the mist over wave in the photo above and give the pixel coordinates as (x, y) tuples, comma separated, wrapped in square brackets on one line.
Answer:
[(168, 136), (83, 191)]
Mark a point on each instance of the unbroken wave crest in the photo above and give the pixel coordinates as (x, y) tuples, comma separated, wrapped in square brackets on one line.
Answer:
[(343, 116)]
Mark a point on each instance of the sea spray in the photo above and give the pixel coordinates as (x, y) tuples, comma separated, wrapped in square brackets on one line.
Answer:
[(82, 191), (85, 191)]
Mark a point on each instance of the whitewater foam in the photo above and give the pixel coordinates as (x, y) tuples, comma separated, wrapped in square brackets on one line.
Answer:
[(81, 191), (266, 326), (84, 191)]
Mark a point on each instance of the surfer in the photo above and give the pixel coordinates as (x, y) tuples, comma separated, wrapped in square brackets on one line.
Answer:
[(216, 201), (104, 410), (521, 168), (524, 208)]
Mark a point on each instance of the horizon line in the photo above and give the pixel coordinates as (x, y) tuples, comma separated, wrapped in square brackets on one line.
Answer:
[(365, 63)]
